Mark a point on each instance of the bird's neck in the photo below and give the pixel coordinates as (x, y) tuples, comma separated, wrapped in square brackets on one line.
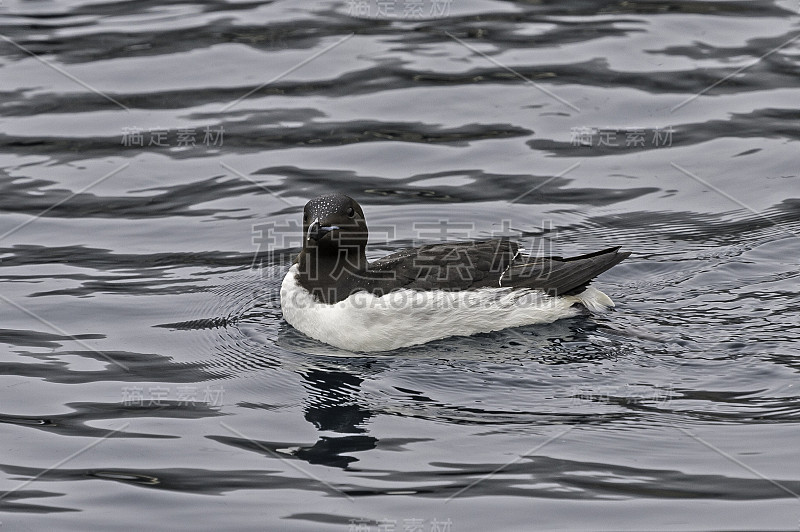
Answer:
[(330, 271)]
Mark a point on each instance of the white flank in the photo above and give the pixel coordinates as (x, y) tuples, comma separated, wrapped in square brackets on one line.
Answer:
[(364, 322)]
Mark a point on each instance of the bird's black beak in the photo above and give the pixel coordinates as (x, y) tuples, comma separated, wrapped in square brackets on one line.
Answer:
[(316, 231)]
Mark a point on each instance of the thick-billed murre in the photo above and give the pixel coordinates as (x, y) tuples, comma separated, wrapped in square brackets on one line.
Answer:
[(333, 294)]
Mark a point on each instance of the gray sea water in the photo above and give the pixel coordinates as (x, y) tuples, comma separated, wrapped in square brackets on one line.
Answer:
[(154, 161)]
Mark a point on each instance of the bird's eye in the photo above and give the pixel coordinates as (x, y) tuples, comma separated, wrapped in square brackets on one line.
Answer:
[(351, 212)]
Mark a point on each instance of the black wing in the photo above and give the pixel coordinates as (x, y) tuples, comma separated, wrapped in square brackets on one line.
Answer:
[(488, 263), (450, 266)]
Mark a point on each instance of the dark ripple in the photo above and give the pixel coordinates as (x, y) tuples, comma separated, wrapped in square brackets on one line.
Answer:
[(776, 123), (731, 407), (38, 197), (549, 477), (78, 422), (236, 138), (382, 78), (307, 33), (326, 451), (122, 7), (29, 338), (132, 274), (486, 187), (183, 480), (773, 72), (544, 477), (12, 502), (757, 8), (646, 230), (139, 265), (120, 366)]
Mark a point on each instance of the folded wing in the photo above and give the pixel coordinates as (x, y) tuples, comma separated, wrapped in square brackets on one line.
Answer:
[(450, 266), (488, 263)]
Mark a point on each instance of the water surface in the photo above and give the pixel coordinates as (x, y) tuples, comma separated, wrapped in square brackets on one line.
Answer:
[(155, 160)]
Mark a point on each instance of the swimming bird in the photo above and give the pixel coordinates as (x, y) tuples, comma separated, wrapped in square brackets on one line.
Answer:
[(334, 294)]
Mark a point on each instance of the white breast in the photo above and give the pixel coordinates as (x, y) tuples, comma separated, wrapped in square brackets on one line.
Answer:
[(364, 322)]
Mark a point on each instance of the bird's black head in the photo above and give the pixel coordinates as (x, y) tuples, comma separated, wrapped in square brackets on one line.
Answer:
[(334, 237), (334, 220)]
